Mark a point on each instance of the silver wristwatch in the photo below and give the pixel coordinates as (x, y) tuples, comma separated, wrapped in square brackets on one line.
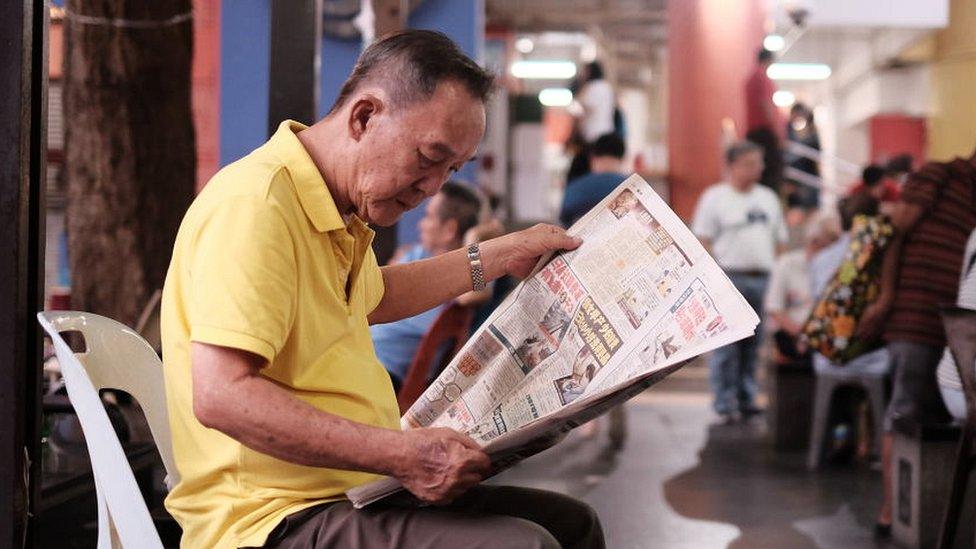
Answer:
[(477, 272)]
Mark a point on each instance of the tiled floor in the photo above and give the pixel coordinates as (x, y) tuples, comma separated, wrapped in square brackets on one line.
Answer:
[(683, 481)]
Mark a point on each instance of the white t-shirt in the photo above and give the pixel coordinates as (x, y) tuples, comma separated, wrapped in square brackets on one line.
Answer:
[(743, 227), (789, 287), (598, 102)]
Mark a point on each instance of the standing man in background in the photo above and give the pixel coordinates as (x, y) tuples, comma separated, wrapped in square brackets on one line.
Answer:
[(741, 225), (763, 122)]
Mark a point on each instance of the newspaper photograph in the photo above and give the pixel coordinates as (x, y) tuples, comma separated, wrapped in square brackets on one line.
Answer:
[(590, 328)]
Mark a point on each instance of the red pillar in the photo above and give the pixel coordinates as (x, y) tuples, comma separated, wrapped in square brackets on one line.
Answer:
[(712, 48), (206, 87), (894, 134)]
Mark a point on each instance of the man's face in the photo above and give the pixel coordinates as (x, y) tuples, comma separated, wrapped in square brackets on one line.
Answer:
[(747, 169), (436, 234), (408, 152)]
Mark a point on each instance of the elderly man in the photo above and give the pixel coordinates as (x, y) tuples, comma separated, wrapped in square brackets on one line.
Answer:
[(277, 402)]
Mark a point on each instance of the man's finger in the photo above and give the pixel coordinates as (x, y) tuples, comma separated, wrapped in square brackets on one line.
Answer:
[(465, 440), (478, 461)]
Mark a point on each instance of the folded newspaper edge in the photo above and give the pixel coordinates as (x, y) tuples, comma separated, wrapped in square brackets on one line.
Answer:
[(640, 223)]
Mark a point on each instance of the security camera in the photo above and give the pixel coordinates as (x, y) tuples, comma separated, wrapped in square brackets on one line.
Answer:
[(798, 11)]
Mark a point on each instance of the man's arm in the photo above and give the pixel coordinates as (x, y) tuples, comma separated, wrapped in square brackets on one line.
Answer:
[(415, 287), (904, 217), (231, 396)]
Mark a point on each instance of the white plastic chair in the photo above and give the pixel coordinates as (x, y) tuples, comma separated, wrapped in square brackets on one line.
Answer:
[(115, 358)]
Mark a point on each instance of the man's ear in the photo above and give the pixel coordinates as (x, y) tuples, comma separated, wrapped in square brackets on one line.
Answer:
[(363, 110)]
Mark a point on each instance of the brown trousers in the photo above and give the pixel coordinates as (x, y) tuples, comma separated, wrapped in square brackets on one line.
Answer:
[(486, 516)]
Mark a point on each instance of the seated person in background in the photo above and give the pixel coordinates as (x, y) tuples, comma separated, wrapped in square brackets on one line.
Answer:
[(898, 168), (881, 188), (788, 298), (606, 159), (449, 221), (824, 265), (948, 375)]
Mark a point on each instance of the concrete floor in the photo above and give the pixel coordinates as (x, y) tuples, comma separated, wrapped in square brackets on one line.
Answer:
[(684, 481)]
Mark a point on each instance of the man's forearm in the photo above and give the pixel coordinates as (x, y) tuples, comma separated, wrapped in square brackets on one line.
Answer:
[(412, 288), (889, 270), (262, 416)]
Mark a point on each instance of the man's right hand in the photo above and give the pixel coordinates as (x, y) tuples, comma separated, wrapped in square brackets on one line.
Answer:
[(440, 464), (871, 323)]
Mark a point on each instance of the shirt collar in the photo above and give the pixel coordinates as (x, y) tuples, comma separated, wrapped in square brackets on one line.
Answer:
[(313, 194)]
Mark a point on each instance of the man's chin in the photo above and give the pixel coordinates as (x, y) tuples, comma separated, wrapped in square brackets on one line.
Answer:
[(385, 217)]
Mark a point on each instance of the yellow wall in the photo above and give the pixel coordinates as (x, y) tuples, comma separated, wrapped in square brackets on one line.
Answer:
[(952, 124)]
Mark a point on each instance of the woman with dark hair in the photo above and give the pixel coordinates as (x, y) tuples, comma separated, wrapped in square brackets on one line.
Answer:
[(597, 99), (801, 129)]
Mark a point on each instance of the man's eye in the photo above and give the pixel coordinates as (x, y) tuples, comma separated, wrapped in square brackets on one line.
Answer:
[(425, 161), (454, 169)]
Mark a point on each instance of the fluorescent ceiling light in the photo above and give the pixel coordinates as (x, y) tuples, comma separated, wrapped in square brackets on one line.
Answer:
[(556, 97), (798, 71), (545, 70), (774, 42), (783, 98), (524, 45)]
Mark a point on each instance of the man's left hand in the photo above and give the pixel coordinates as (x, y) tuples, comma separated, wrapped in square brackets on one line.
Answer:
[(517, 253)]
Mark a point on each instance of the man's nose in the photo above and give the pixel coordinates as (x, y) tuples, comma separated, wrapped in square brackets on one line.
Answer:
[(433, 182)]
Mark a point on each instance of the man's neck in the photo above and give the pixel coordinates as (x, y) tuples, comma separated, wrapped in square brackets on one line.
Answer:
[(741, 187), (605, 165), (314, 139)]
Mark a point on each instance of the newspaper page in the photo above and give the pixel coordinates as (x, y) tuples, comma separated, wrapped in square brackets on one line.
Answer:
[(587, 330)]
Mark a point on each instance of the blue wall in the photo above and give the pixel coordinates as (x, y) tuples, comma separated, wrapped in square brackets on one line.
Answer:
[(338, 59), (245, 46), (463, 21)]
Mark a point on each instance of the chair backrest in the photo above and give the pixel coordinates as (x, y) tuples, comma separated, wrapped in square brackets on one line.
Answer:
[(452, 327), (148, 325), (115, 358)]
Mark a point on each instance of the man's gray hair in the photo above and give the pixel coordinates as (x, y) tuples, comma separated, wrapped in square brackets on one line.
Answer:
[(739, 149), (410, 64)]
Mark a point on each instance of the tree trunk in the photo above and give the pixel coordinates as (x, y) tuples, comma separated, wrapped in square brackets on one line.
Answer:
[(129, 147)]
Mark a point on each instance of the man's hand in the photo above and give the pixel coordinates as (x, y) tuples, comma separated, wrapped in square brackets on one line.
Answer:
[(517, 253), (872, 320), (440, 464)]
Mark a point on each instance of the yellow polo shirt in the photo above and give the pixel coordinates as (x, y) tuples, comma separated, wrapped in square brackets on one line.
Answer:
[(262, 262)]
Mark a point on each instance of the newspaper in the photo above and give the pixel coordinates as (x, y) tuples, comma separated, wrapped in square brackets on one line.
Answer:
[(589, 329)]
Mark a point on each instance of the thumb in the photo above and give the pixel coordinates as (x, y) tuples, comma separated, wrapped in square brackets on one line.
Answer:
[(463, 439)]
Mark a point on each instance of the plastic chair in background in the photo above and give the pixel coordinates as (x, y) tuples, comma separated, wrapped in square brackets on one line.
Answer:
[(451, 328), (115, 357)]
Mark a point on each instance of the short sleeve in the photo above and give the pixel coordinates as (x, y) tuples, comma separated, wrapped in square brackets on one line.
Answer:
[(373, 277), (924, 186), (705, 223), (243, 278)]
